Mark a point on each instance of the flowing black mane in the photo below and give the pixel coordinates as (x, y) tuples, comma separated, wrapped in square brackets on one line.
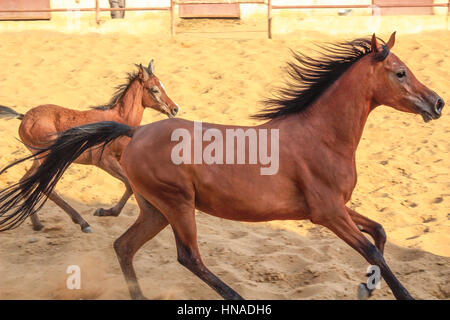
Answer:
[(120, 91), (310, 77)]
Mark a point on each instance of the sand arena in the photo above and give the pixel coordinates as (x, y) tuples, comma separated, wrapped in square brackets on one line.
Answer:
[(220, 76)]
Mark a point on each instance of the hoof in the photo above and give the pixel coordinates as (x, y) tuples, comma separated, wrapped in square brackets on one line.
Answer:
[(100, 212), (38, 227), (87, 229), (363, 292)]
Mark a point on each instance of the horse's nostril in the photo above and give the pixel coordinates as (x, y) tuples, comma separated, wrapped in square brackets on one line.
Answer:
[(439, 105), (175, 111)]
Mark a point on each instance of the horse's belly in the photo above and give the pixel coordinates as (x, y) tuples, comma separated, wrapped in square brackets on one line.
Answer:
[(253, 202)]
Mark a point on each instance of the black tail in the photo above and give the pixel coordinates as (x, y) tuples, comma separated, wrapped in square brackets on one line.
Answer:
[(29, 195), (8, 113)]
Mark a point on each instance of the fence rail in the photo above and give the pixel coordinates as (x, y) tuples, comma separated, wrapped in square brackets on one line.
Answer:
[(97, 9), (361, 6), (223, 2), (86, 9)]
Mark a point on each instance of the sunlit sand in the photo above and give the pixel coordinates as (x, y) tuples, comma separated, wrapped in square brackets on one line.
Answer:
[(403, 163)]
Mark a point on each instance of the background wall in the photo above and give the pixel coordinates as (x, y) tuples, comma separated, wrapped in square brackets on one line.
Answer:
[(253, 23), (246, 9)]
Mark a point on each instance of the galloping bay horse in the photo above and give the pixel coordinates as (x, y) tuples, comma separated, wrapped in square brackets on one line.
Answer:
[(320, 120), (41, 125)]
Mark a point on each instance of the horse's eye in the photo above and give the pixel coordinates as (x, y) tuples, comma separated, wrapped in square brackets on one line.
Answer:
[(153, 90), (401, 74)]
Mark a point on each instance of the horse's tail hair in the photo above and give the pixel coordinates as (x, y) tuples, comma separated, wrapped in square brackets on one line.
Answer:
[(8, 113), (27, 196)]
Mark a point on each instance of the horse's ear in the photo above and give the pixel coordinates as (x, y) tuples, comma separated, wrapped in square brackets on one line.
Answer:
[(376, 47), (151, 67), (143, 73), (391, 41)]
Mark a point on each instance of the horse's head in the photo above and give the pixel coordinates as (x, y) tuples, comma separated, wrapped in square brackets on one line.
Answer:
[(397, 87), (154, 95)]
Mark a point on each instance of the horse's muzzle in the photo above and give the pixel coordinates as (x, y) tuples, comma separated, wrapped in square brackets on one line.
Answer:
[(438, 106), (174, 111), (434, 109)]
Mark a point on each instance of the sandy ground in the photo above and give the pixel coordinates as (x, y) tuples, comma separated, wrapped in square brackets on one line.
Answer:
[(402, 163)]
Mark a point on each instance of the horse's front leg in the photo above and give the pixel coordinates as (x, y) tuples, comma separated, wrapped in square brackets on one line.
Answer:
[(111, 165), (376, 231), (340, 222)]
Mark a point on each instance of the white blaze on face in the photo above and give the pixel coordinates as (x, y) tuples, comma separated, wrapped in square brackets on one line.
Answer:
[(162, 86)]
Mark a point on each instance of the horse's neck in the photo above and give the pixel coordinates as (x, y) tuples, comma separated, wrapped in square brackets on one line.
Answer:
[(340, 114), (129, 107)]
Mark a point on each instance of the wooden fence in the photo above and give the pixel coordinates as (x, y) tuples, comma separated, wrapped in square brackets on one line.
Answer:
[(268, 3)]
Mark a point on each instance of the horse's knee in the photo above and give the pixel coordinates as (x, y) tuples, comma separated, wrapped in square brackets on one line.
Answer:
[(380, 233)]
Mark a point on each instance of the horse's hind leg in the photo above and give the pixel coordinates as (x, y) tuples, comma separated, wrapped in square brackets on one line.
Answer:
[(74, 215), (185, 231), (149, 223), (37, 225), (112, 166)]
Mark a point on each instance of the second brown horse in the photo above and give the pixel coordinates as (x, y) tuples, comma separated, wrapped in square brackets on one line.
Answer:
[(41, 124)]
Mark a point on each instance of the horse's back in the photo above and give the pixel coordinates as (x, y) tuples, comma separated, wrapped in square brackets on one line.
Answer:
[(154, 138), (41, 124)]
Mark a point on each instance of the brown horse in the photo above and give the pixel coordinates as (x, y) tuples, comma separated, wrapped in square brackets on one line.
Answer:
[(318, 122), (41, 124)]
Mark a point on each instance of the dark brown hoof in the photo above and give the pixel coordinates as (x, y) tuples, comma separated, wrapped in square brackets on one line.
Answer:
[(38, 227), (100, 212)]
